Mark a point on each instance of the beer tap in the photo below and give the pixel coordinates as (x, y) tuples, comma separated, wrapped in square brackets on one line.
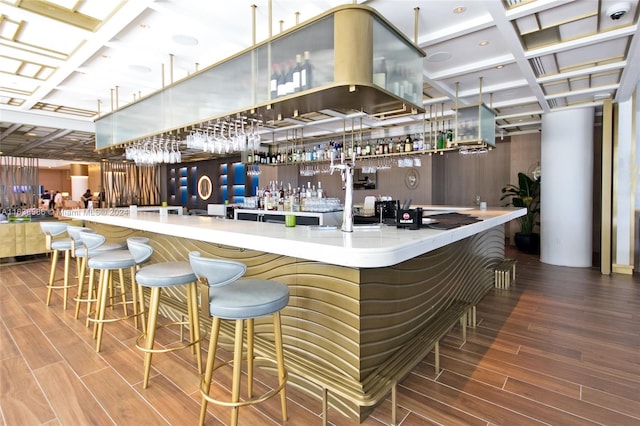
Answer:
[(346, 170)]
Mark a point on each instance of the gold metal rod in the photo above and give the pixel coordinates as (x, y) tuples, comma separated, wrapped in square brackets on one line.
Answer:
[(162, 74), (112, 105), (170, 68), (281, 25), (431, 137), (416, 11), (480, 111), (253, 23), (270, 15), (297, 18), (117, 97), (253, 54), (99, 113), (457, 104)]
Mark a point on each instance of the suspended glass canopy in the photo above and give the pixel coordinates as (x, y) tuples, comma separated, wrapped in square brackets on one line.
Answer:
[(349, 58)]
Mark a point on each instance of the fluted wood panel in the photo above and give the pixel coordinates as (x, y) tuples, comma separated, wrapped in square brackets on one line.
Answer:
[(343, 323), (19, 183), (126, 184)]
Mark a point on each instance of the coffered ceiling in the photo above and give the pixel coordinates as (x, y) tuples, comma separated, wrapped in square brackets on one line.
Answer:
[(63, 63)]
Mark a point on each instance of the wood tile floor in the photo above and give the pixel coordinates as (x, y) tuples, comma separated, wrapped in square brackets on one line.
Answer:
[(561, 347)]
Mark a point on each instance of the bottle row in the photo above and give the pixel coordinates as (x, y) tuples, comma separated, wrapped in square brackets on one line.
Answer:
[(291, 76), (278, 196), (333, 150)]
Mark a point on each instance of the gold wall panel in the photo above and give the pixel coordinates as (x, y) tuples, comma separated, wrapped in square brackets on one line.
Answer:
[(23, 238), (342, 325)]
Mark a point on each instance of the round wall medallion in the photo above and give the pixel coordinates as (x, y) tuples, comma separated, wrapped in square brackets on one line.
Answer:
[(412, 179), (204, 188)]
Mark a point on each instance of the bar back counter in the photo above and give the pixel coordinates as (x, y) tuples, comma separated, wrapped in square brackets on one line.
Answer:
[(362, 304)]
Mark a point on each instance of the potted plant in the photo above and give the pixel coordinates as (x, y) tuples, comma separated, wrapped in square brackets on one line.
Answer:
[(525, 194)]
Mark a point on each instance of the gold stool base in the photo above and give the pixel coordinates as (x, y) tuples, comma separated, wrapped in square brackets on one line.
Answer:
[(193, 323), (235, 402)]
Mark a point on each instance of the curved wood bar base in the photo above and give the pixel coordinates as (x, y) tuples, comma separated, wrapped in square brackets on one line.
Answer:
[(354, 331)]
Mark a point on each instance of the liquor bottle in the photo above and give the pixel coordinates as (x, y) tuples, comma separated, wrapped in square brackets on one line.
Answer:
[(296, 74), (306, 81), (399, 146), (289, 78), (274, 81), (440, 140), (408, 144)]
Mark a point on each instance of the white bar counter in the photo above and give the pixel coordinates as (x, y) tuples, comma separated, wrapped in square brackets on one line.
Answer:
[(363, 248), (364, 306)]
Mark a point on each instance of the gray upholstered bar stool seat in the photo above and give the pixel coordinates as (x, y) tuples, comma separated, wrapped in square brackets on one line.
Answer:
[(240, 301), (81, 253), (57, 244), (156, 277), (107, 263)]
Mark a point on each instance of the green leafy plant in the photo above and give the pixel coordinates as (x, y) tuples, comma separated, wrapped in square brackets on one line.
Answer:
[(525, 194)]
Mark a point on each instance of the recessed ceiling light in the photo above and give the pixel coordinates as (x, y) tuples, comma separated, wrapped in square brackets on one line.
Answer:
[(483, 43), (31, 134), (184, 40), (459, 9), (438, 56), (500, 67)]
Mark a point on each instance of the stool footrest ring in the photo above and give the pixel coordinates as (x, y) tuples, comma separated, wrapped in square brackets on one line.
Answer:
[(170, 348), (135, 314), (250, 401)]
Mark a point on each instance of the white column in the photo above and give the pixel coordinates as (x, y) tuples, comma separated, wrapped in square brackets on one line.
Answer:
[(566, 200), (78, 186), (623, 190)]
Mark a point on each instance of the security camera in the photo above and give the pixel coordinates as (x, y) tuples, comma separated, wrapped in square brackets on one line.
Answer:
[(618, 10)]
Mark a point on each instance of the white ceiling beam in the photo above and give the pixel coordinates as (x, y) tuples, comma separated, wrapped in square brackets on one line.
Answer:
[(473, 67), (570, 93), (630, 74), (467, 27), (514, 45), (582, 72), (519, 114), (33, 118), (526, 9), (582, 42)]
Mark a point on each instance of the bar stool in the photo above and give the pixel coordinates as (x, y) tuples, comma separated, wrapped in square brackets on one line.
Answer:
[(156, 277), (107, 263), (56, 245), (240, 300), (81, 252)]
